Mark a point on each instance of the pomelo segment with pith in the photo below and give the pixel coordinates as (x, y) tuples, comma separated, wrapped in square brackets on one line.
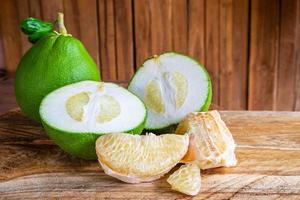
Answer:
[(75, 115), (171, 85), (140, 158)]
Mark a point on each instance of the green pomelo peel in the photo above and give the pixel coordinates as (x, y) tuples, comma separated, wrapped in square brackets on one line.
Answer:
[(81, 145)]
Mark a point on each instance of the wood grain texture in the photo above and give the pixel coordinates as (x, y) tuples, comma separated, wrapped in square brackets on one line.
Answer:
[(196, 29), (18, 11), (179, 26), (153, 22), (268, 153), (82, 25), (124, 39), (50, 9), (250, 47), (107, 43), (297, 63), (7, 93), (142, 31), (288, 63), (297, 98), (2, 63), (212, 46), (23, 11), (234, 54), (35, 8), (160, 26), (11, 38), (263, 54)]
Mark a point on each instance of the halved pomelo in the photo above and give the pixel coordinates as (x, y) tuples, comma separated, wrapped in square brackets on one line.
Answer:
[(75, 115), (140, 158), (171, 85), (186, 179)]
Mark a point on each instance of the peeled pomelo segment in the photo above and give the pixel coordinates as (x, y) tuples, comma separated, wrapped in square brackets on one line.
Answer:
[(135, 158), (181, 87), (171, 85), (75, 104), (211, 143), (186, 179), (153, 98), (109, 109), (74, 116)]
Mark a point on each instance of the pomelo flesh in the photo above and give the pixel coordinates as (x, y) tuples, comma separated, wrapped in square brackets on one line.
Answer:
[(136, 159), (171, 85), (75, 115)]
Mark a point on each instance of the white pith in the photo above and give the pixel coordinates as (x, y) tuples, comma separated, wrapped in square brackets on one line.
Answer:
[(53, 108), (161, 69)]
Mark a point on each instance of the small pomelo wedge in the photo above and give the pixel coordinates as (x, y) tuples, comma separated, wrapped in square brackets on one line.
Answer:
[(135, 158), (75, 115), (186, 179), (171, 85)]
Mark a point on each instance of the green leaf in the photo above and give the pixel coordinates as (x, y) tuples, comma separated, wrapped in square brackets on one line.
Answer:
[(35, 28)]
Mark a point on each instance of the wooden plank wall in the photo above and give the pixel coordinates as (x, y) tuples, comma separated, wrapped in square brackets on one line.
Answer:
[(251, 48)]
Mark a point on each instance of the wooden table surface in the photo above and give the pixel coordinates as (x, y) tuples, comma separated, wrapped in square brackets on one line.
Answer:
[(268, 153), (7, 94)]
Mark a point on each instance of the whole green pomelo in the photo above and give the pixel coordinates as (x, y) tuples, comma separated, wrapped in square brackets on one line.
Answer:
[(53, 61)]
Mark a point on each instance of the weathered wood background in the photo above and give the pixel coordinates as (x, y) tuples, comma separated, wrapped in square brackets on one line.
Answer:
[(250, 47)]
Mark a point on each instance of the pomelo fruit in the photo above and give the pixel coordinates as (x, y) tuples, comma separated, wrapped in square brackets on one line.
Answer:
[(55, 60), (140, 158), (74, 116), (186, 179), (171, 85), (211, 143)]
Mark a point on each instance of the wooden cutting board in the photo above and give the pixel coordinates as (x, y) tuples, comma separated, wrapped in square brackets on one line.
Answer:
[(268, 153)]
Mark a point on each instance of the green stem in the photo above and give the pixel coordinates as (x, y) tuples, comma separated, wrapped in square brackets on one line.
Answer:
[(61, 26)]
